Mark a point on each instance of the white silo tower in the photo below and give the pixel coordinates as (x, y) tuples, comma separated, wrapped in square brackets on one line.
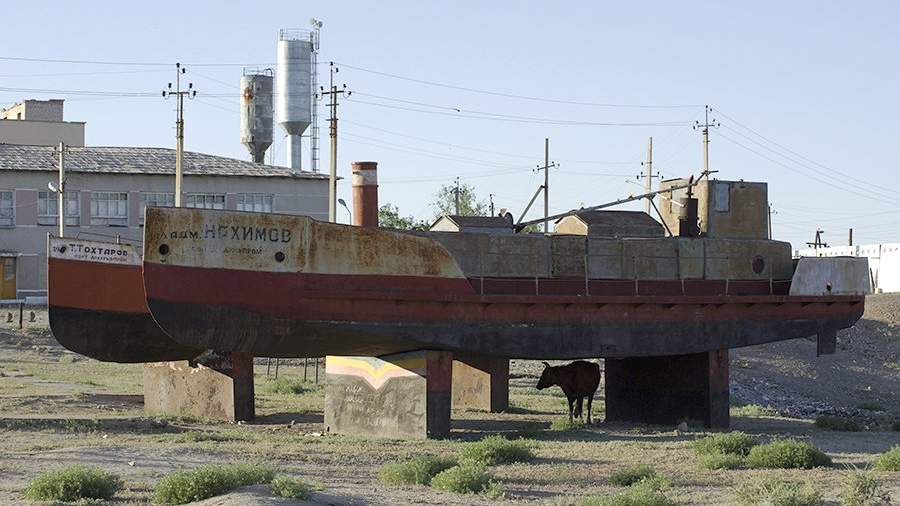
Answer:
[(293, 93), (256, 113)]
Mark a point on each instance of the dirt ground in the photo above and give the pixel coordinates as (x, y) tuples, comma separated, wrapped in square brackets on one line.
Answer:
[(57, 408)]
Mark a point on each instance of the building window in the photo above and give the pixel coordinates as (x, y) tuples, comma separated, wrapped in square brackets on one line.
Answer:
[(255, 202), (109, 208), (7, 209), (48, 208), (205, 200), (156, 200)]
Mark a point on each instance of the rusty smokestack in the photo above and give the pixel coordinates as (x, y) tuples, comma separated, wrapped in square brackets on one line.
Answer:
[(365, 194)]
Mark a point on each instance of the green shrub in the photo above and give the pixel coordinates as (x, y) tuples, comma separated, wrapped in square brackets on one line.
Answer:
[(775, 491), (628, 476), (418, 471), (292, 488), (870, 406), (721, 461), (863, 489), (563, 424), (182, 487), (837, 423), (285, 386), (641, 494), (731, 443), (494, 450), (467, 478), (889, 460), (787, 454), (73, 483)]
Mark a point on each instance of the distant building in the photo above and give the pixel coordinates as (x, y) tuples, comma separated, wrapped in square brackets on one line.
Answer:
[(39, 123), (498, 225), (610, 224), (108, 188)]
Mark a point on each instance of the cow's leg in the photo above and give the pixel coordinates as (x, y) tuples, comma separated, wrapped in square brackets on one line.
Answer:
[(571, 405), (579, 410), (590, 400)]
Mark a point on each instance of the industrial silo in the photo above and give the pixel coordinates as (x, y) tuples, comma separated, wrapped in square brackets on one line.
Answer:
[(256, 114), (292, 88)]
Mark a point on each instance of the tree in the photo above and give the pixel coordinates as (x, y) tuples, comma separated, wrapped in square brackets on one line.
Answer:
[(469, 205), (389, 217)]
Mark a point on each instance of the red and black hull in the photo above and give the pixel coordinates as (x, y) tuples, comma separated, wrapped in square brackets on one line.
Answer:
[(98, 310), (289, 314)]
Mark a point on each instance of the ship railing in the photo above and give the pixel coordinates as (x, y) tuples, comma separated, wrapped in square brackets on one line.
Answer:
[(634, 284)]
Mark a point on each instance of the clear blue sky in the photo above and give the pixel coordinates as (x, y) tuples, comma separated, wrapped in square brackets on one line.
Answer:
[(819, 78)]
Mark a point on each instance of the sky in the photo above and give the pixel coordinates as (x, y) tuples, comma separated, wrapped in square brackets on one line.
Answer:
[(806, 93)]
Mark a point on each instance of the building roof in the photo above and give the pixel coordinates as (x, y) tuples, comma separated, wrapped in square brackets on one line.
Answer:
[(138, 160), (617, 218), (479, 221)]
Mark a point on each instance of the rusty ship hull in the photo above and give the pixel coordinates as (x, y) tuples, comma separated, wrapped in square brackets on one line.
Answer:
[(97, 307), (289, 286)]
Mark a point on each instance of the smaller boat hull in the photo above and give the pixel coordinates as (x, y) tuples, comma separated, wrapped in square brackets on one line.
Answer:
[(97, 308)]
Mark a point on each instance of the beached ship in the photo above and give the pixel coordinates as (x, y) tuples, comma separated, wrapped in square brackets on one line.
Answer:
[(97, 307), (291, 286)]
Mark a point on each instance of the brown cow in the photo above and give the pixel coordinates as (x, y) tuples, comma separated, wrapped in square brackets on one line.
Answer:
[(578, 380)]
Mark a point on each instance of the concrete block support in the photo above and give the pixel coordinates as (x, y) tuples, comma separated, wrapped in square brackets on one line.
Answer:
[(406, 395), (665, 390), (480, 382), (221, 390)]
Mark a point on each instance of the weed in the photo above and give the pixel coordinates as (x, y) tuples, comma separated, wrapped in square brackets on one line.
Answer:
[(628, 476), (889, 460), (721, 461), (787, 454), (837, 423), (641, 494), (870, 406), (207, 481), (72, 484), (292, 488), (418, 471), (494, 450), (285, 386), (563, 424), (731, 443), (753, 410), (863, 489), (194, 436), (467, 478), (775, 491)]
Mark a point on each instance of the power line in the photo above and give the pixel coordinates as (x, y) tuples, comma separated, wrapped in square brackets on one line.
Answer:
[(523, 119), (520, 97), (129, 63), (82, 92), (827, 183), (99, 72)]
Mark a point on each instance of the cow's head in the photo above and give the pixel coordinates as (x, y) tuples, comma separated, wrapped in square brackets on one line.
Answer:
[(548, 377)]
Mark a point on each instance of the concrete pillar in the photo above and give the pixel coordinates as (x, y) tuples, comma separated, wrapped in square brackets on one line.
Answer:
[(221, 390), (665, 390), (365, 194), (406, 395), (480, 382)]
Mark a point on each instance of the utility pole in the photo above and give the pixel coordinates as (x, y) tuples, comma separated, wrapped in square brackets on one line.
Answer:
[(546, 183), (704, 128), (546, 187), (491, 198), (456, 194), (179, 125), (817, 243), (332, 132), (61, 191), (850, 238), (648, 175)]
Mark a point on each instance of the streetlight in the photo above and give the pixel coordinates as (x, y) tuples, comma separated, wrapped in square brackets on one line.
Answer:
[(344, 205)]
